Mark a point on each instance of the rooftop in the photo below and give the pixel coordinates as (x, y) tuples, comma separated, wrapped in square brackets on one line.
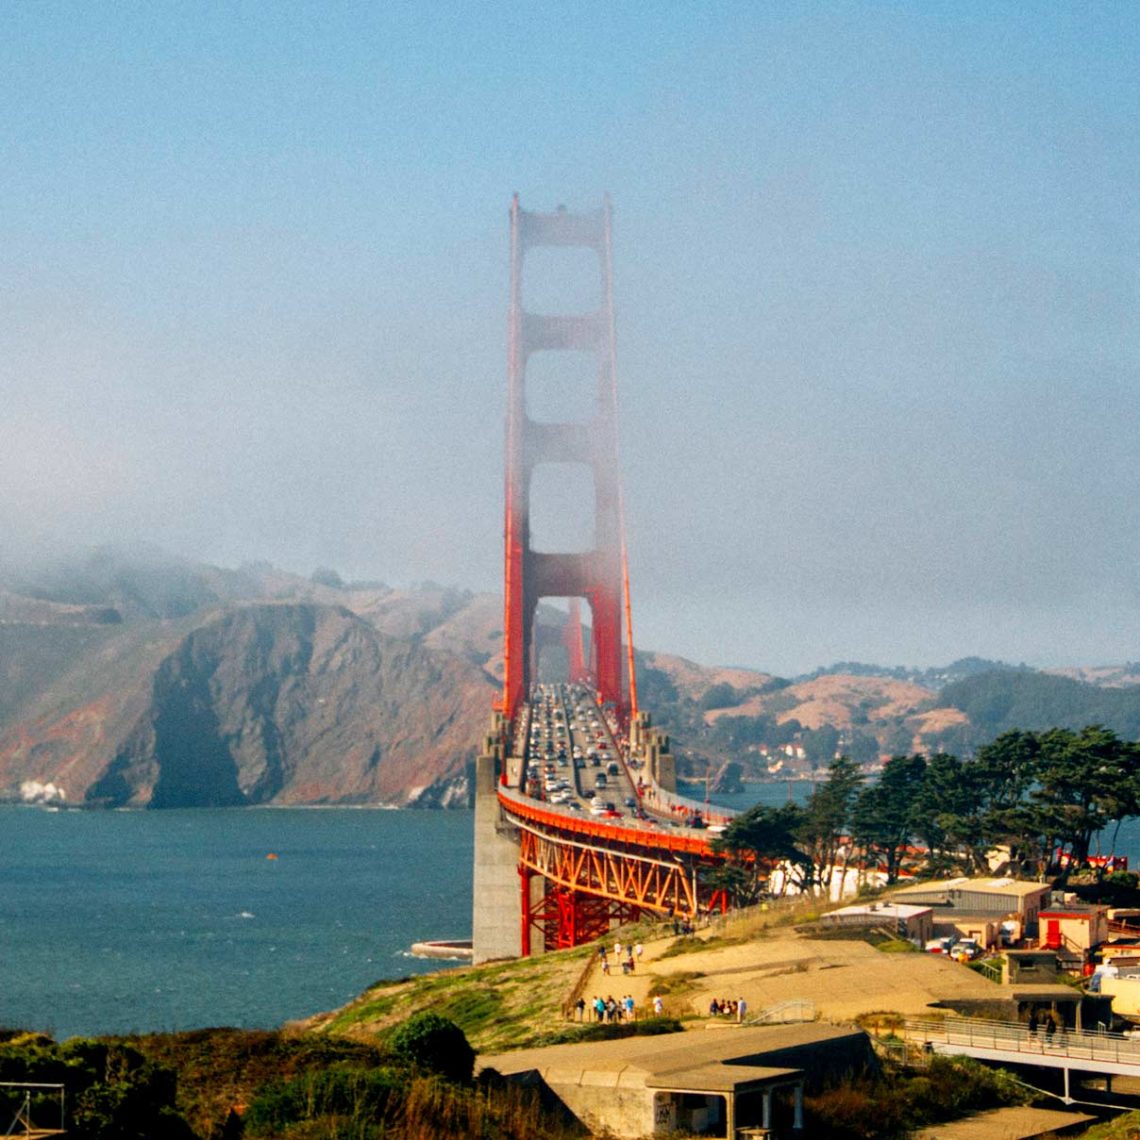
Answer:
[(889, 909), (1016, 887), (714, 1060)]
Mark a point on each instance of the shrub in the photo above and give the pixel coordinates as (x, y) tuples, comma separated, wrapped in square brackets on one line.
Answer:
[(434, 1044)]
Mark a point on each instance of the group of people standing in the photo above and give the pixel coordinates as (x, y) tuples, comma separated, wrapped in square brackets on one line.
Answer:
[(610, 1009), (728, 1008), (628, 963)]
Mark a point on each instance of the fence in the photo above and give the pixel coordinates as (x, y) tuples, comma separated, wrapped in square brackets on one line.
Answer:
[(1015, 1037)]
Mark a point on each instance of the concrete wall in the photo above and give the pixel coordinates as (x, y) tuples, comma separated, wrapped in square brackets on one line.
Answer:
[(497, 911), (602, 1102)]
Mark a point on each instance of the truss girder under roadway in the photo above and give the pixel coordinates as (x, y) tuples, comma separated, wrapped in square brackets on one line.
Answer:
[(634, 878)]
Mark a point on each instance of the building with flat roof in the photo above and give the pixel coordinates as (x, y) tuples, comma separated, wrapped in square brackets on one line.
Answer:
[(903, 920), (995, 897), (712, 1082), (1073, 930)]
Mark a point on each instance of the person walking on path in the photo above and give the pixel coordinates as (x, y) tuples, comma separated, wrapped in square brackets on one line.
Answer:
[(741, 1010), (658, 1006)]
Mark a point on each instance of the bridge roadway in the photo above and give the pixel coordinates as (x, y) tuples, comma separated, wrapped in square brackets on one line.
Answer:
[(593, 824), (570, 755), (1009, 1043)]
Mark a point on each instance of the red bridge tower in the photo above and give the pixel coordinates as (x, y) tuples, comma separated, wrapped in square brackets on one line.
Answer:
[(597, 574)]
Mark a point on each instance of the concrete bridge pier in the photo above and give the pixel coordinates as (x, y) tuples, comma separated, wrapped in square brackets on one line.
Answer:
[(497, 912)]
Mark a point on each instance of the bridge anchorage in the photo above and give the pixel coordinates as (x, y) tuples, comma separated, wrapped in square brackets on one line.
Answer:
[(578, 824)]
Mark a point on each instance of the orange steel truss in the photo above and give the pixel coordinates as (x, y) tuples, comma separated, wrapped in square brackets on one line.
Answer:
[(630, 878)]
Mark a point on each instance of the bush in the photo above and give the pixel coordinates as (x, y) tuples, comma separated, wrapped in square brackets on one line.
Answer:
[(434, 1044), (362, 1096)]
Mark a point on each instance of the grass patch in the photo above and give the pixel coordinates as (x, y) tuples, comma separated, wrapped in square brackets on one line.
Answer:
[(609, 1031), (675, 984), (898, 946), (1126, 1127), (500, 1005), (891, 1105), (688, 944)]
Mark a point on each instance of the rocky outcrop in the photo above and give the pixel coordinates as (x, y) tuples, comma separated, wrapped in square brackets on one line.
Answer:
[(728, 780), (268, 703)]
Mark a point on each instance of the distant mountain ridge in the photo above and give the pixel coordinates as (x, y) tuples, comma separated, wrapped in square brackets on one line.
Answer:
[(140, 680), (932, 678)]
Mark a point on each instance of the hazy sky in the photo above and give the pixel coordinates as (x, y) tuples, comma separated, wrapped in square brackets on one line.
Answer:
[(876, 274)]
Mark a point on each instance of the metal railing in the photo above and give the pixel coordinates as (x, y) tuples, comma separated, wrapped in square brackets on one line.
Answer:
[(796, 1009), (1015, 1037)]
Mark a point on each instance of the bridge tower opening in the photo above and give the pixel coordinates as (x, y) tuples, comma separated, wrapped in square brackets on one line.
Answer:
[(596, 573)]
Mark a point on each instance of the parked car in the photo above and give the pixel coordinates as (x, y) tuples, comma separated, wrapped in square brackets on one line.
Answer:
[(939, 945)]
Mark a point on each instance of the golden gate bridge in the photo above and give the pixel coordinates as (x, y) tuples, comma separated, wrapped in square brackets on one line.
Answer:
[(578, 824)]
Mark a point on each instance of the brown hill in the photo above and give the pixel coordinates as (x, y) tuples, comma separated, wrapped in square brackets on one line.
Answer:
[(836, 699), (262, 703), (692, 681)]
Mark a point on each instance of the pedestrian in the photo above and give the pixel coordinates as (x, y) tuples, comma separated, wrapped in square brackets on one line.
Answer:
[(714, 1007), (637, 951), (617, 949), (606, 966), (658, 1006), (580, 1005), (1050, 1029), (629, 1007), (741, 1009), (599, 1009)]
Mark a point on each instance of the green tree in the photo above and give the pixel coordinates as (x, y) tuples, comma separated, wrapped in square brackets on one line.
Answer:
[(827, 819), (719, 696), (999, 780), (1085, 780), (820, 745), (946, 796), (884, 813), (763, 838)]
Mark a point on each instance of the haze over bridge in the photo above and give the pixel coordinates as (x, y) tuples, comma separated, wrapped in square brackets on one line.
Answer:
[(561, 854)]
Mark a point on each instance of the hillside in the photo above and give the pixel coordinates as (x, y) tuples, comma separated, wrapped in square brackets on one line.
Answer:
[(136, 679), (127, 685)]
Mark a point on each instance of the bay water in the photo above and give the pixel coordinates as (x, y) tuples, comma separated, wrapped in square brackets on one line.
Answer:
[(117, 922), (140, 921)]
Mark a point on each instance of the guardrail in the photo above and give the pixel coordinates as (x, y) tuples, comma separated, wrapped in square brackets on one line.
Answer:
[(1015, 1037), (796, 1009)]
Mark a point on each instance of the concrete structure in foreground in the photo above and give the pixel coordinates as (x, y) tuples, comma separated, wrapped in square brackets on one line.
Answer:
[(715, 1082), (495, 915)]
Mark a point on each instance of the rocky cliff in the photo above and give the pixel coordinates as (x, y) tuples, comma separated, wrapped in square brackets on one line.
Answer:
[(271, 701)]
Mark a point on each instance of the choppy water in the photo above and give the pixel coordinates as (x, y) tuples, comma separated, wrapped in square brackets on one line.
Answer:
[(133, 921), (113, 922)]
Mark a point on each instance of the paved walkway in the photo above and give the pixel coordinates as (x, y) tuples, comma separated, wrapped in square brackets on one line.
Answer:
[(1005, 1124)]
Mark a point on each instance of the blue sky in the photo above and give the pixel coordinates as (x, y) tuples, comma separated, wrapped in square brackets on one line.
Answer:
[(876, 275)]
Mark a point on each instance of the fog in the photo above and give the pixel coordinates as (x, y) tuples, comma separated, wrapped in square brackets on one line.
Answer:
[(876, 281)]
